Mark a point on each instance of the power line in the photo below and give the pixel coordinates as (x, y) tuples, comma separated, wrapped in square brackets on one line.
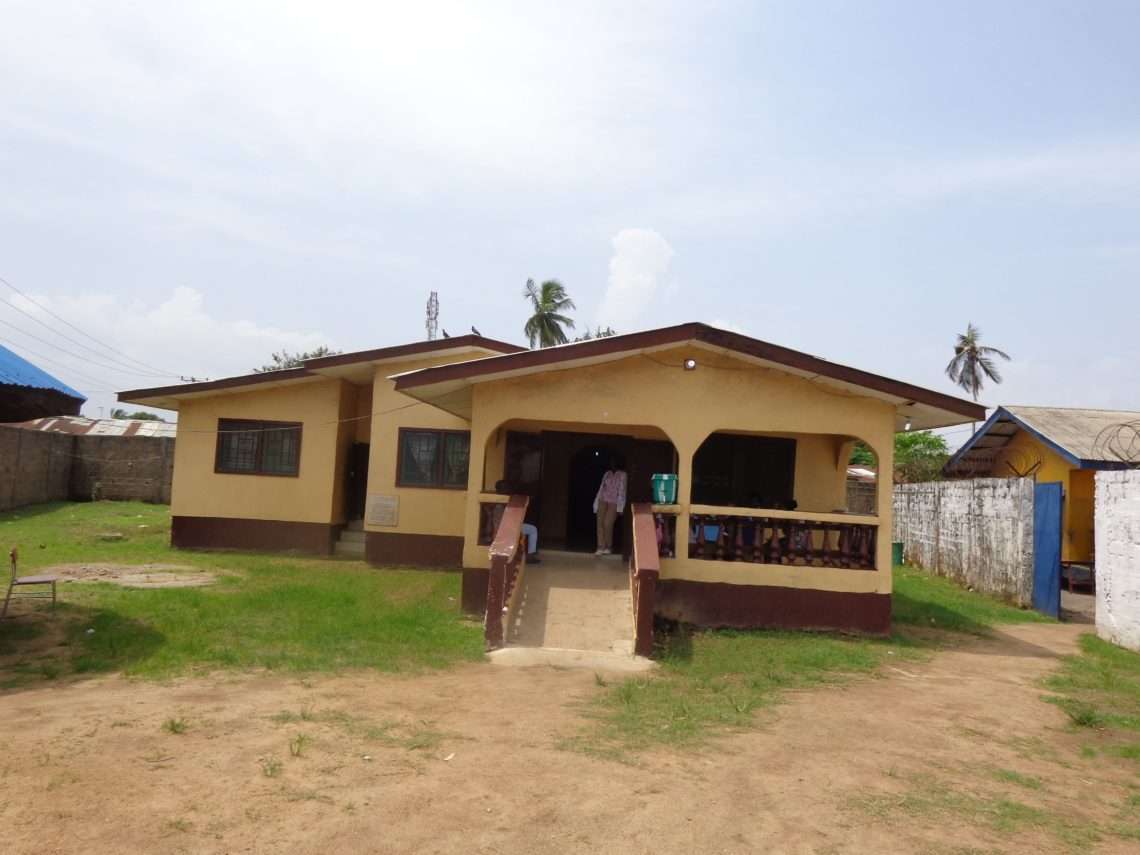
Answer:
[(51, 361), (105, 366), (157, 372)]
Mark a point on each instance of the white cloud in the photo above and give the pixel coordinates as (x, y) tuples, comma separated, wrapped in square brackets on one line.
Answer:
[(639, 272), (175, 335)]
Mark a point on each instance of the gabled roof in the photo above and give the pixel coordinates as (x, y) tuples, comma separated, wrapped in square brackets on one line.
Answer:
[(448, 386), (1079, 436), (352, 366), (17, 371)]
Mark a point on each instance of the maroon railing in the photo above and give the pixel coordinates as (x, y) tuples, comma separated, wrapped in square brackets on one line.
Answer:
[(508, 561), (644, 570), (489, 513), (775, 540)]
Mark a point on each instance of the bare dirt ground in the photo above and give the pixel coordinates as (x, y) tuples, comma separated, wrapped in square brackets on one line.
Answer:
[(468, 761), (132, 575)]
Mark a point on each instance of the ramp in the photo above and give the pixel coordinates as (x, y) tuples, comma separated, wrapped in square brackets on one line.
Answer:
[(575, 601)]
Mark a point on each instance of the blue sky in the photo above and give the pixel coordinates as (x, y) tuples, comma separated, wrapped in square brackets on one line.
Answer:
[(859, 180)]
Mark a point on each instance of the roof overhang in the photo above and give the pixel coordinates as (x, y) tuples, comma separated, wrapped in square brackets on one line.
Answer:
[(358, 367), (449, 387)]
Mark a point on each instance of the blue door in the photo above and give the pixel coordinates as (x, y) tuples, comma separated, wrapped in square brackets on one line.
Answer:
[(1047, 548)]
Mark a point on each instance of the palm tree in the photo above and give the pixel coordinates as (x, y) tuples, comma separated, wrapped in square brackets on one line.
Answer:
[(546, 325), (973, 362)]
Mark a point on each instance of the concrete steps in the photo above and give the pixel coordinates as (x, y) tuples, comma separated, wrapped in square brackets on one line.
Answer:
[(351, 541)]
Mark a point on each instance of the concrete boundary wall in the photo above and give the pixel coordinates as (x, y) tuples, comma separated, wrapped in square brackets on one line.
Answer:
[(1118, 558), (978, 532), (40, 466)]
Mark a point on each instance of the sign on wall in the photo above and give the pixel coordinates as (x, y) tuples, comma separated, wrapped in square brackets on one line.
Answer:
[(382, 510)]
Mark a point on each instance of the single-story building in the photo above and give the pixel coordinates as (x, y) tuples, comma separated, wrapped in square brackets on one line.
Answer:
[(1051, 445), (409, 443), (29, 392)]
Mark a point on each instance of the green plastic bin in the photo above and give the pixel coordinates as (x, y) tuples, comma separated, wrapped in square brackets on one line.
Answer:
[(664, 489), (896, 552)]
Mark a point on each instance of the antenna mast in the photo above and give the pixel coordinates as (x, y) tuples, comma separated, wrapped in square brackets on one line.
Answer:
[(432, 323)]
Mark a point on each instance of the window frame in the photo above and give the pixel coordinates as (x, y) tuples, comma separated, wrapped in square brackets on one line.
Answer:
[(437, 482), (260, 426)]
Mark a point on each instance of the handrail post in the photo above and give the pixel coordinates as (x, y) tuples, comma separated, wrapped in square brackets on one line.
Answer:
[(645, 568), (504, 554)]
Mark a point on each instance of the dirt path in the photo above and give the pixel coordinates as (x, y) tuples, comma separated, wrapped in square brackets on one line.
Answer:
[(466, 761)]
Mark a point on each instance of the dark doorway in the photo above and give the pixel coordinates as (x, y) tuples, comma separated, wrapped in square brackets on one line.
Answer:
[(587, 467), (356, 481)]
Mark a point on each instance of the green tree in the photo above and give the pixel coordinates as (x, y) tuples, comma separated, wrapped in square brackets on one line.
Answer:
[(919, 456), (973, 362), (861, 455), (600, 332), (137, 415), (285, 359), (546, 327)]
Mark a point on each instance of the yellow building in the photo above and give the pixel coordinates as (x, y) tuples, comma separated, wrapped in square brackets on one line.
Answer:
[(415, 446), (1052, 445)]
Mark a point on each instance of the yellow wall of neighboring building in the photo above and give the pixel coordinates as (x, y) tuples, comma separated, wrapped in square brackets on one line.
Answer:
[(688, 406), (198, 491), (1020, 454)]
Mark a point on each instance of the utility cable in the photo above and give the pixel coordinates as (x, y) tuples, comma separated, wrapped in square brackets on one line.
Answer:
[(155, 371)]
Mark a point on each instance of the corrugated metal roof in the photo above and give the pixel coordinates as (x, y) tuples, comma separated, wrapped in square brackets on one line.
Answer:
[(1087, 438), (79, 425), (1075, 430), (17, 371)]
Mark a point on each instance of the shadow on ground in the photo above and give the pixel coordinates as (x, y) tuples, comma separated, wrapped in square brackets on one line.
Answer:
[(39, 645)]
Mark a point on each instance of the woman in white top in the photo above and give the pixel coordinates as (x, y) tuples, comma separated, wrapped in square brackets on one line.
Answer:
[(608, 503)]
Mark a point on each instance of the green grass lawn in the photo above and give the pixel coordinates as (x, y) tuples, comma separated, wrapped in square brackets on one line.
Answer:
[(265, 611), (1099, 689), (713, 680)]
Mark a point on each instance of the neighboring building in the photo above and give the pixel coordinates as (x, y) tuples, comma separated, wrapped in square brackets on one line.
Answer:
[(82, 426), (28, 392), (413, 440), (1051, 445)]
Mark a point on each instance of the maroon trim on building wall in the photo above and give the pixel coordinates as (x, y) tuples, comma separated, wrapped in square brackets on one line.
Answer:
[(214, 385), (474, 597), (385, 548), (747, 606), (679, 335), (414, 349), (266, 535), (324, 362)]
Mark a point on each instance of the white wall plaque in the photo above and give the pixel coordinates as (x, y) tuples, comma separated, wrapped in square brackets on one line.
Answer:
[(383, 510)]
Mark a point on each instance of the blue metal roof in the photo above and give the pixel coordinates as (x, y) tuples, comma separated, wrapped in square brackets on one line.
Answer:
[(17, 371)]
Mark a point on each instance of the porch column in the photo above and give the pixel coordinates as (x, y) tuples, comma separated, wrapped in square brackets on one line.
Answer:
[(473, 554), (684, 498)]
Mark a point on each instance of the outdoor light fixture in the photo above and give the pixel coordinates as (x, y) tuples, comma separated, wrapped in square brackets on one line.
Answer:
[(690, 364), (907, 425)]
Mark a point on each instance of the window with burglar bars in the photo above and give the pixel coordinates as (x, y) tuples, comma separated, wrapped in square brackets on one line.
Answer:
[(433, 458), (258, 447)]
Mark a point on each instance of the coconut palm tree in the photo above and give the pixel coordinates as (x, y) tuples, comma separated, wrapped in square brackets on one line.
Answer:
[(973, 362), (546, 326)]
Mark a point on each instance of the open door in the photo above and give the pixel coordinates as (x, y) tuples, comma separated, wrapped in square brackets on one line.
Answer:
[(1047, 548)]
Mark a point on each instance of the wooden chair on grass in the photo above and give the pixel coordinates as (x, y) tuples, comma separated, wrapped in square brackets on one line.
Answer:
[(18, 581)]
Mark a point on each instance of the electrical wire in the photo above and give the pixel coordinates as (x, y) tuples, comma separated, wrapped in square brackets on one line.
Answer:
[(51, 361), (88, 359), (158, 372)]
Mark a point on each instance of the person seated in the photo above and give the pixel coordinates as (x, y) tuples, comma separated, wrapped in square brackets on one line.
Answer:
[(529, 530)]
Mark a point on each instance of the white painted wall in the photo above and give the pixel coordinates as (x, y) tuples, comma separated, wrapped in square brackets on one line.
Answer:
[(977, 532), (1118, 557)]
